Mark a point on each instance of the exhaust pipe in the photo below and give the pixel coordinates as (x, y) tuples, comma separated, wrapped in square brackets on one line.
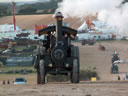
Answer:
[(59, 18)]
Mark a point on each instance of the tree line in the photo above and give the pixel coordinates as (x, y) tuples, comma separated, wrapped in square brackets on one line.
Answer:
[(4, 10), (36, 8), (45, 7)]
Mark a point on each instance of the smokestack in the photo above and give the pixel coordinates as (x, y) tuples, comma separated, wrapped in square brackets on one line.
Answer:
[(59, 17), (14, 20)]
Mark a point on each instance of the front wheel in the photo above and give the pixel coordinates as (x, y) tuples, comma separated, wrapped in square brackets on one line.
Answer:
[(38, 77), (117, 69), (42, 72), (75, 72)]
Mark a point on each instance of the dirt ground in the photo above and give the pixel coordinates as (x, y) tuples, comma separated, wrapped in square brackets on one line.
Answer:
[(90, 57), (67, 89)]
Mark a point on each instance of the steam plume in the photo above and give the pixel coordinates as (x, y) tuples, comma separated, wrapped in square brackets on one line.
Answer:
[(113, 12)]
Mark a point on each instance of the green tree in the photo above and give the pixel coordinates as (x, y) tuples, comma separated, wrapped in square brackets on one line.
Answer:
[(27, 10), (3, 10), (46, 7)]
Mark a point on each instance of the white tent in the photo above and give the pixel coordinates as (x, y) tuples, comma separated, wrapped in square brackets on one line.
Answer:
[(8, 28), (99, 27), (104, 31), (82, 27)]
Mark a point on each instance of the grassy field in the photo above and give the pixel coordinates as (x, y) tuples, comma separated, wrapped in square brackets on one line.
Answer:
[(31, 77), (8, 68)]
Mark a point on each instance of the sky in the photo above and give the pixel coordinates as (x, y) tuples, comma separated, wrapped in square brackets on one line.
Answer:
[(22, 0)]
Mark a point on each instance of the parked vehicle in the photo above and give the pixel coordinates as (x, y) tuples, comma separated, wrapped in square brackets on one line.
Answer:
[(20, 80), (89, 42)]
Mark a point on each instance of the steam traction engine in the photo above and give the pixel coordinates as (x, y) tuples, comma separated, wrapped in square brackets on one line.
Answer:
[(57, 56)]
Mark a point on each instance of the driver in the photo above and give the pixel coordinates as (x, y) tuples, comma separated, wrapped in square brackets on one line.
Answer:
[(115, 56)]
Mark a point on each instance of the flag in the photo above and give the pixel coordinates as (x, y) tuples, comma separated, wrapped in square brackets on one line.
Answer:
[(114, 52), (88, 22)]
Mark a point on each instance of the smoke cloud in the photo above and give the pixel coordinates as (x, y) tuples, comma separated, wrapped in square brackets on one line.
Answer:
[(113, 12), (16, 0), (116, 17)]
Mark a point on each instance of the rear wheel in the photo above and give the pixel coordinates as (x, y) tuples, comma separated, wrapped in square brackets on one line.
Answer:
[(42, 72)]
